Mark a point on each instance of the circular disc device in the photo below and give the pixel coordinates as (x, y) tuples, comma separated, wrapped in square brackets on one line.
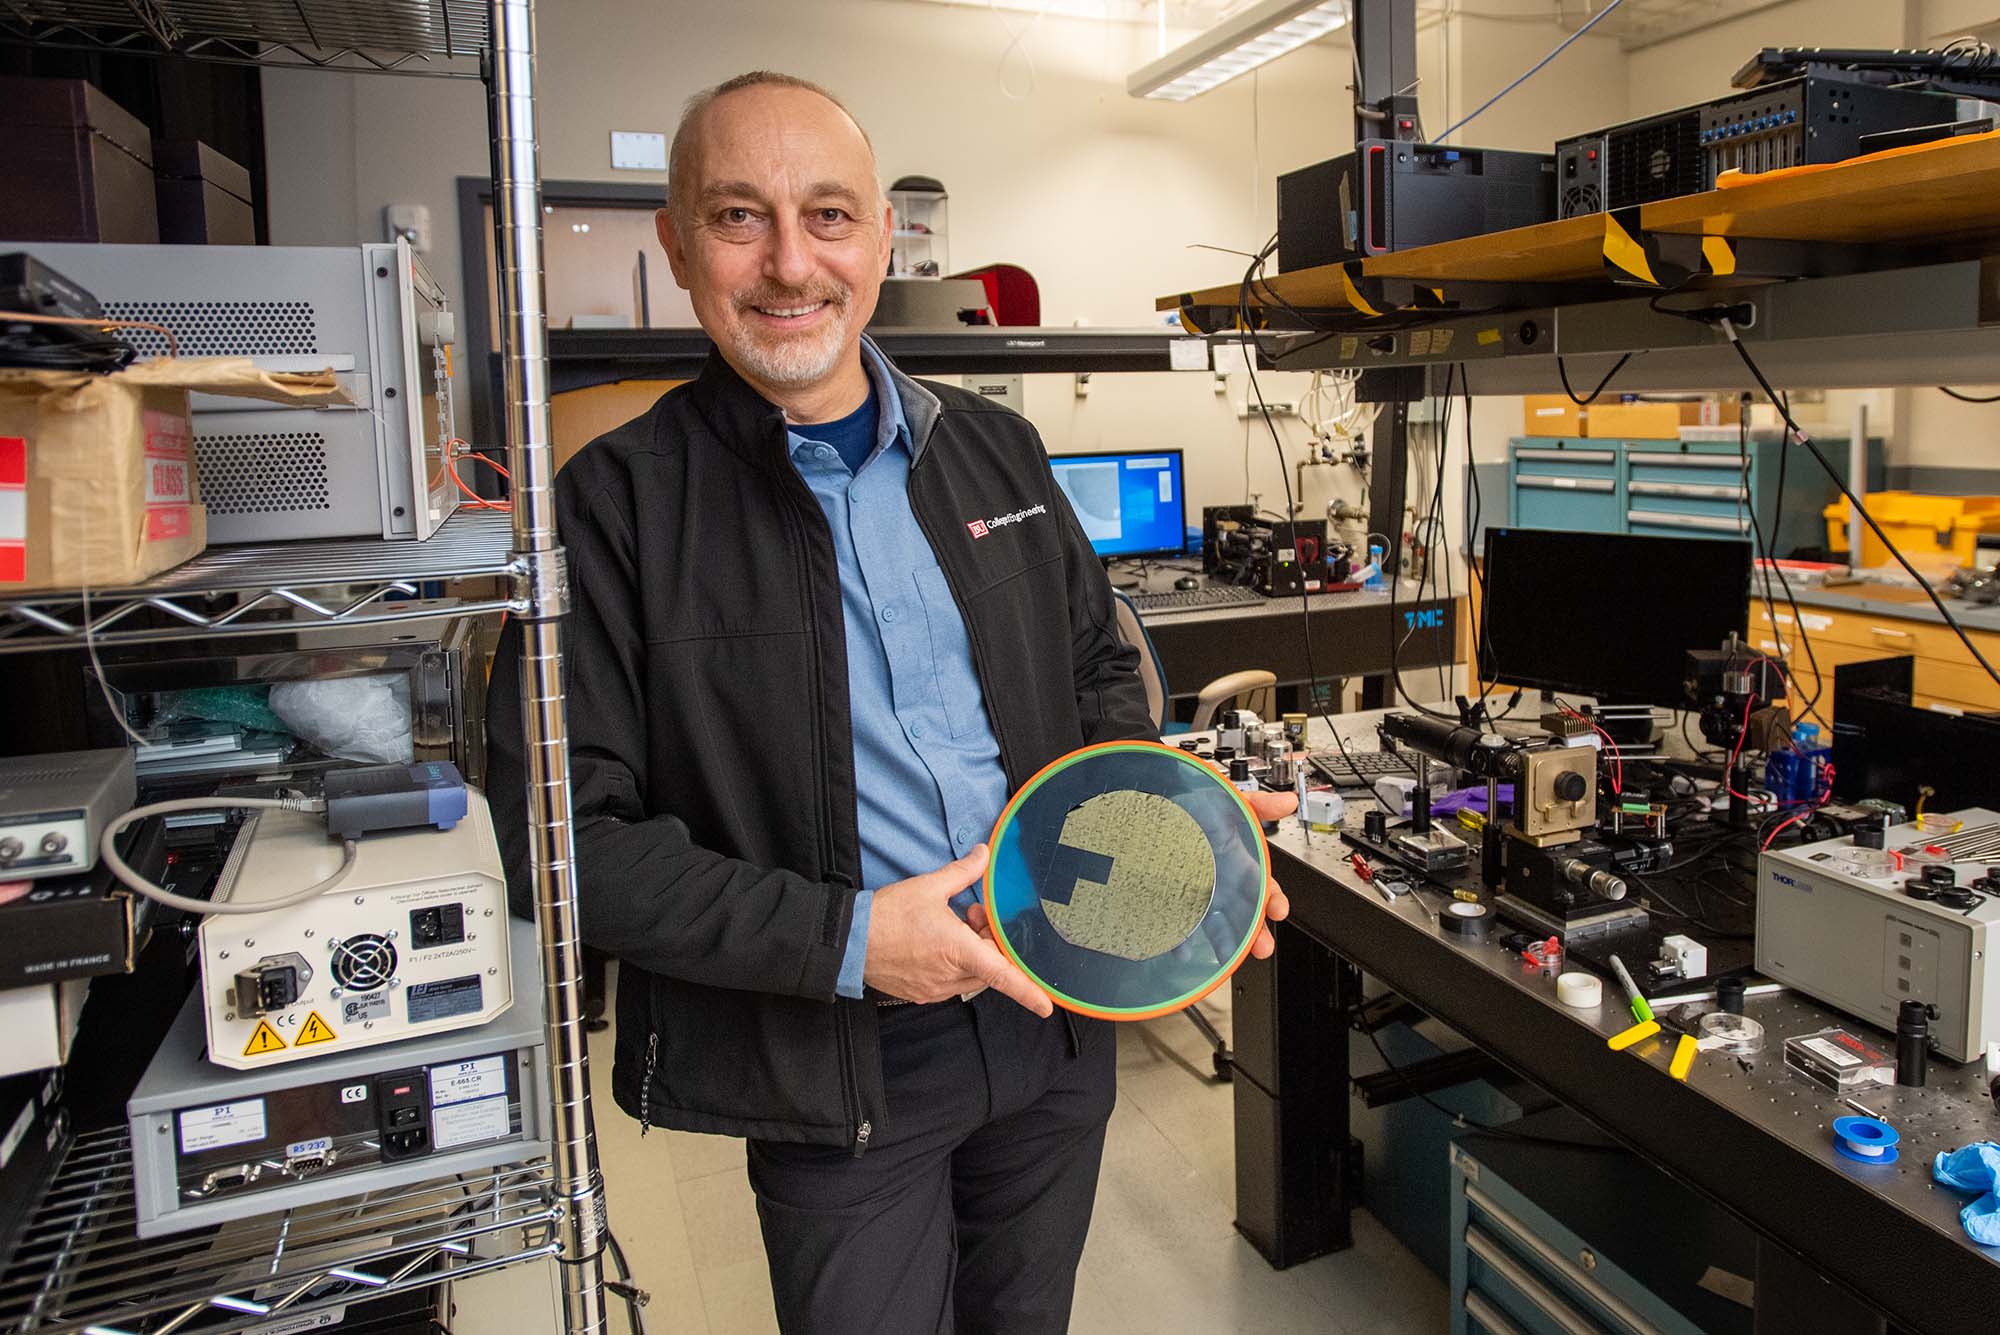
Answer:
[(1127, 880)]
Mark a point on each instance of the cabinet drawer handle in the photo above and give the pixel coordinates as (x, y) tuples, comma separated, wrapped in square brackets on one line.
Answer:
[(1489, 1317), (1603, 485), (1568, 456), (1522, 1236), (1525, 1282), (1888, 634)]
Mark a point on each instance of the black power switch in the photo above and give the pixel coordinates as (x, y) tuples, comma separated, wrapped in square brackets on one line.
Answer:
[(403, 1114)]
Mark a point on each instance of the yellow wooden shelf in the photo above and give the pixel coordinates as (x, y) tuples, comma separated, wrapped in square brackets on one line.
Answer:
[(1947, 193)]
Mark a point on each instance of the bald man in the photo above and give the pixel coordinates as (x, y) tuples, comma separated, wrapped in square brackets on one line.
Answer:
[(824, 620)]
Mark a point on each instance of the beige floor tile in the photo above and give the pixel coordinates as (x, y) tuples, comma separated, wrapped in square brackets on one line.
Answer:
[(738, 1299), (520, 1300), (722, 1219), (698, 1155)]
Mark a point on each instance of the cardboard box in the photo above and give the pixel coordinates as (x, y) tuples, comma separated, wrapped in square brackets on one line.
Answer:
[(204, 197), (78, 926), (1657, 421), (1633, 421), (74, 165), (1551, 415), (38, 1023), (97, 472)]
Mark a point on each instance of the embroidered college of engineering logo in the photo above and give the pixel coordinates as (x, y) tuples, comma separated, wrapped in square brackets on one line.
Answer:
[(979, 528)]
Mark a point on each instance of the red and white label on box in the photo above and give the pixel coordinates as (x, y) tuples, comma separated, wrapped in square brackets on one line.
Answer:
[(13, 510), (169, 485)]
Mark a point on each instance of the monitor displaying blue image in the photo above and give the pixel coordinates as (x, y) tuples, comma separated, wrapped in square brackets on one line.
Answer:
[(1128, 504)]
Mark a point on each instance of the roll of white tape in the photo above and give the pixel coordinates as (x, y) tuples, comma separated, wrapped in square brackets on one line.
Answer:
[(1581, 990)]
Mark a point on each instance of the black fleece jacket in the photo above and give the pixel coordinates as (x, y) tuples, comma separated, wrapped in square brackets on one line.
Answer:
[(712, 766)]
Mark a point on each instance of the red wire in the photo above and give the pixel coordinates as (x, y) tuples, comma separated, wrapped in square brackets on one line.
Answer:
[(1617, 759), (1741, 733), (474, 498)]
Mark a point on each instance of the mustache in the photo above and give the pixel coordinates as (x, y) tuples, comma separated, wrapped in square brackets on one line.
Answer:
[(768, 296)]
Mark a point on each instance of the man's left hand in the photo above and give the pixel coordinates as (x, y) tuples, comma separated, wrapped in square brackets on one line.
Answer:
[(1268, 807)]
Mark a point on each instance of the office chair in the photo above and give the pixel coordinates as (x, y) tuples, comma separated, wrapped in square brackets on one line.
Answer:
[(1255, 684)]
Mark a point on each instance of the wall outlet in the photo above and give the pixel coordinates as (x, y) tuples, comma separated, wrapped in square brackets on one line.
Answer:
[(1278, 407)]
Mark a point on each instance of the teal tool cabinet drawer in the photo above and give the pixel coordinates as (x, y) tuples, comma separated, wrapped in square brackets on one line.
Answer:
[(1572, 484), (1578, 1237), (1693, 490), (1679, 489)]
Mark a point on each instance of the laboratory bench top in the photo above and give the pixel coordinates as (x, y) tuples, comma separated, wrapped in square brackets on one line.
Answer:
[(1745, 1132)]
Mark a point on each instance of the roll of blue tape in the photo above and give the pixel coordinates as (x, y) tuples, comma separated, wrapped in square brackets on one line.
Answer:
[(1865, 1139)]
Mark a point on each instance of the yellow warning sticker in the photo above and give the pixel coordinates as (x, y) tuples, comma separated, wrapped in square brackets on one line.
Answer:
[(264, 1041), (316, 1030), (1487, 337)]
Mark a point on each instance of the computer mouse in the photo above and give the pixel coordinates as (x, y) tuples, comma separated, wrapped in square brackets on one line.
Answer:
[(1187, 582)]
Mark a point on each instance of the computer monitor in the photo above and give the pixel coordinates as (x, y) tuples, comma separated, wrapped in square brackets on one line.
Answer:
[(1608, 615), (1128, 504)]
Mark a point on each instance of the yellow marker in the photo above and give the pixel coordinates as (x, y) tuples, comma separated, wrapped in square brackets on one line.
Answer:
[(1471, 819), (263, 1040), (1684, 1054), (316, 1030), (1639, 1032)]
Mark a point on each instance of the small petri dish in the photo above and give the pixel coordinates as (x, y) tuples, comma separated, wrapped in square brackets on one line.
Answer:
[(1732, 1033), (1127, 880), (1867, 863)]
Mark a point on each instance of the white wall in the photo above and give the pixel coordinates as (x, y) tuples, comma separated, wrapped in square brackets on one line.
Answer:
[(1098, 194)]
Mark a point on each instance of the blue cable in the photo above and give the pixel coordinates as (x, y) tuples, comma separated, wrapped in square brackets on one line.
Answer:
[(1533, 70)]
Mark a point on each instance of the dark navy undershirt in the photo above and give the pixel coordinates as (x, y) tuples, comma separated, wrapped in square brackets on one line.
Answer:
[(852, 437)]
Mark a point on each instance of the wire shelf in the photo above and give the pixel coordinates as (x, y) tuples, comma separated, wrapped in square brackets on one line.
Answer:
[(80, 1266), (441, 38), (269, 588)]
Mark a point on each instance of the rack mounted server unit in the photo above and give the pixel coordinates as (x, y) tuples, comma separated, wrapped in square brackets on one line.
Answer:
[(1392, 194), (371, 313), (1794, 123)]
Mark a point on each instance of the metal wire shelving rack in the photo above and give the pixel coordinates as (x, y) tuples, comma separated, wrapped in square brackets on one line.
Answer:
[(78, 1265)]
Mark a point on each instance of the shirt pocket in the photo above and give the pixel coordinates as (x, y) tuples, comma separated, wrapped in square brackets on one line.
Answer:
[(951, 656)]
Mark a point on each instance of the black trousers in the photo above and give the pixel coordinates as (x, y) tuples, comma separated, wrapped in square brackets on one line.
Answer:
[(968, 1212)]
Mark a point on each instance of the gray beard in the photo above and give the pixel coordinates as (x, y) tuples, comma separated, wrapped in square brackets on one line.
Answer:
[(795, 360)]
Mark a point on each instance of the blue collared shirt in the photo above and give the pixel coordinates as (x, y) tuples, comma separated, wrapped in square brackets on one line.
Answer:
[(927, 773)]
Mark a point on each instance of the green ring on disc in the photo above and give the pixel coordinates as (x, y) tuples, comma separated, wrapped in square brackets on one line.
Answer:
[(1127, 880)]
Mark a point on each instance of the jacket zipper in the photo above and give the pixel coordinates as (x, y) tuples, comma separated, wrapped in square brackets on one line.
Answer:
[(646, 1084), (850, 1078)]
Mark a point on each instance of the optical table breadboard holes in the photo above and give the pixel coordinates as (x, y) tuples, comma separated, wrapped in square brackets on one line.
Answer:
[(1150, 882)]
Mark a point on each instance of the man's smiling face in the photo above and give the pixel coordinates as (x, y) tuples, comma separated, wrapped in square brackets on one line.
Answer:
[(779, 233)]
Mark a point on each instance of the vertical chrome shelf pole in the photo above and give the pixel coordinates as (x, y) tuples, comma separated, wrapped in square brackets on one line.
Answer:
[(541, 589)]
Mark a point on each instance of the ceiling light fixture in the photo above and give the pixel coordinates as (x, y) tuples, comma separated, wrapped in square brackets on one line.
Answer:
[(1237, 45)]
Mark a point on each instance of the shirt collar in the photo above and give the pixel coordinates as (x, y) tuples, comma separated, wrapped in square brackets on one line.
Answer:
[(892, 426)]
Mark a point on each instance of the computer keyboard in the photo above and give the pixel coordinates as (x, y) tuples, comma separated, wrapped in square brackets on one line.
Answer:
[(1208, 595), (1367, 767)]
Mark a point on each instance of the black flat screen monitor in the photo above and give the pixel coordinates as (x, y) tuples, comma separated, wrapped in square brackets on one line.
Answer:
[(1130, 504), (1608, 615)]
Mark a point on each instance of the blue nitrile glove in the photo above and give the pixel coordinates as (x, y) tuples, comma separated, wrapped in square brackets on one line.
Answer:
[(1975, 1168)]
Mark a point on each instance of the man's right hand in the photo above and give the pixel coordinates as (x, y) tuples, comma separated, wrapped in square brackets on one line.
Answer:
[(919, 950)]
